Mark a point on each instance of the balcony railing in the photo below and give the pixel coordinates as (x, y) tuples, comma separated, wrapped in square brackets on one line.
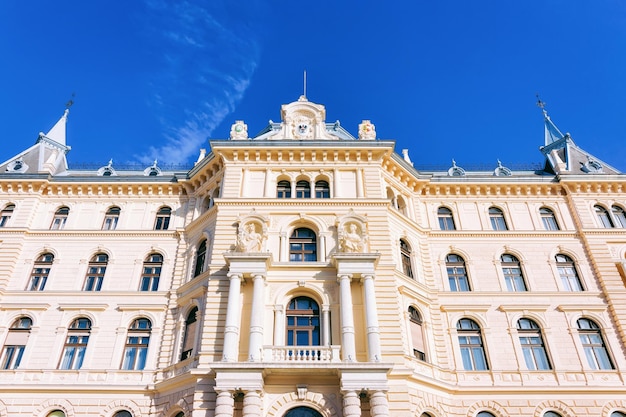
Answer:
[(301, 354)]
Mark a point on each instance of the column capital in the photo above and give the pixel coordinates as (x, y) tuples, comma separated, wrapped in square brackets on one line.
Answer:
[(341, 277), (365, 277), (279, 308), (232, 275)]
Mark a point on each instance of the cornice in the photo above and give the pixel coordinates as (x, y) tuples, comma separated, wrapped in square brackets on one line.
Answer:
[(24, 306), (100, 233), (494, 188), (82, 306), (294, 152), (500, 234), (83, 188), (282, 202)]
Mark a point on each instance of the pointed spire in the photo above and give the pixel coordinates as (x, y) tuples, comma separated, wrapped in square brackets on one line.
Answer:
[(551, 132), (57, 133)]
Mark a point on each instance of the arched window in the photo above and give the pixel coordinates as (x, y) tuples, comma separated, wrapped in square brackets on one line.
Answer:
[(534, 350), (322, 189), (189, 336), (391, 196), (60, 217), (181, 414), (619, 216), (123, 413), (457, 274), (283, 189), (425, 415), (401, 205), (417, 334), (5, 214), (551, 414), (512, 271), (56, 413), (485, 414), (76, 344), (303, 322), (111, 217), (302, 412), (95, 272), (137, 341), (303, 189), (15, 343), (405, 254), (471, 344), (496, 217), (446, 220), (200, 259), (41, 271), (163, 218), (617, 414), (303, 245), (603, 217), (548, 219), (151, 272), (568, 273), (593, 344)]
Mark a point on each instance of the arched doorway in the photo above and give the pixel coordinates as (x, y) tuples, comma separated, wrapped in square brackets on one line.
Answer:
[(302, 412)]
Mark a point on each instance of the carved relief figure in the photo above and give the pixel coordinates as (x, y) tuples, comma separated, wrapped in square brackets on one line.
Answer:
[(249, 239), (350, 240)]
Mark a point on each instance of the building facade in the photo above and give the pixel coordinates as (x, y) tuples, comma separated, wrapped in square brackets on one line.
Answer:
[(306, 272)]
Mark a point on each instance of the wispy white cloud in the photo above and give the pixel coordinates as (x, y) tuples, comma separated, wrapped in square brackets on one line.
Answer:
[(207, 55)]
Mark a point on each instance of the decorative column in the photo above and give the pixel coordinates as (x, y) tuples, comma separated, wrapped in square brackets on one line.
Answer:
[(224, 404), (255, 347), (325, 325), (252, 404), (371, 319), (279, 325), (322, 253), (351, 404), (233, 320), (283, 256), (359, 183), (268, 192), (347, 320), (337, 188), (379, 407)]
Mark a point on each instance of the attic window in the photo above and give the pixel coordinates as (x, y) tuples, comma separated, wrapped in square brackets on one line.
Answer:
[(152, 171), (591, 166), (17, 166)]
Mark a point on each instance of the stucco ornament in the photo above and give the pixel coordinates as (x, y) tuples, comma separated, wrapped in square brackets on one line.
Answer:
[(352, 239), (239, 130), (249, 239), (367, 130), (302, 128)]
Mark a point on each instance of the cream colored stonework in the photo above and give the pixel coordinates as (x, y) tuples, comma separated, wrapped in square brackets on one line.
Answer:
[(235, 356)]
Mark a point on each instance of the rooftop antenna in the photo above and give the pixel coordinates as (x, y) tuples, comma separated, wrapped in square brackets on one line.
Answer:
[(304, 95)]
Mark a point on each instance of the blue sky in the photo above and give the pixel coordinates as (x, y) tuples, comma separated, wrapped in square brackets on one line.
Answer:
[(445, 79)]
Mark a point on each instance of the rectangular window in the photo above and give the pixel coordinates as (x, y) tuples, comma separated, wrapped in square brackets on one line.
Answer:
[(11, 357)]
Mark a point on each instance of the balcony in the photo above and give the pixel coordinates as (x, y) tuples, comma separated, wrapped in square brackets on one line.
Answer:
[(301, 354)]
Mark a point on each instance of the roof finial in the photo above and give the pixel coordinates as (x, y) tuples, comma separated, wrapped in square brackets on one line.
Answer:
[(70, 102), (304, 94), (541, 105)]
